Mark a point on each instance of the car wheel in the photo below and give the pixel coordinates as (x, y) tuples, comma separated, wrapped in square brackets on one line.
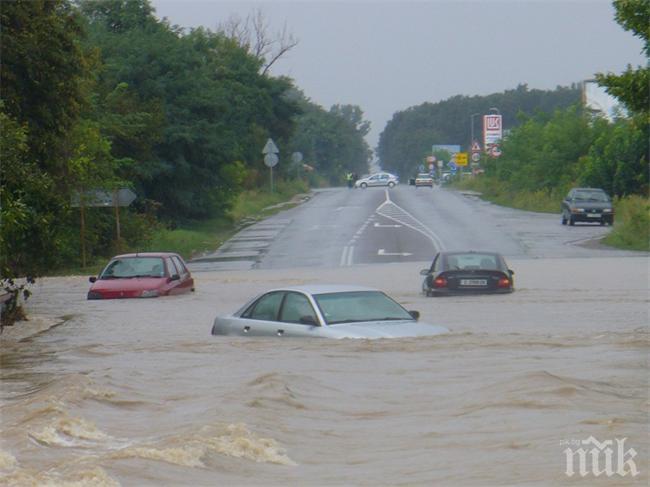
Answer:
[(363, 185), (391, 184), (572, 220)]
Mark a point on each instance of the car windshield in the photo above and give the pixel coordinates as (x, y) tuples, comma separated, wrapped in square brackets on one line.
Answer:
[(424, 176), (598, 196), (472, 261), (129, 267), (358, 306)]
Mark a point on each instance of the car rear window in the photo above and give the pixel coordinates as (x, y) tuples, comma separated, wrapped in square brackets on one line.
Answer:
[(472, 262)]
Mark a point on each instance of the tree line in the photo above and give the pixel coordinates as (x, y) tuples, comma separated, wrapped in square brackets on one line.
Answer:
[(552, 141), (408, 137), (102, 95), (573, 146)]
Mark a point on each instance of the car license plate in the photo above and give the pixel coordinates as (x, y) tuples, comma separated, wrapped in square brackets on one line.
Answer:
[(473, 282), (593, 215)]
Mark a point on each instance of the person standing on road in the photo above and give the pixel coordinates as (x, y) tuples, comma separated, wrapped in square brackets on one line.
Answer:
[(349, 179)]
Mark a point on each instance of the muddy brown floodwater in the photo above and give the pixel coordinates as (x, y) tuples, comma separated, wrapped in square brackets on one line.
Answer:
[(137, 392)]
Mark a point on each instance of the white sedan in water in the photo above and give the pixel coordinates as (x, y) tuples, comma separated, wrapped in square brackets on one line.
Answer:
[(324, 311)]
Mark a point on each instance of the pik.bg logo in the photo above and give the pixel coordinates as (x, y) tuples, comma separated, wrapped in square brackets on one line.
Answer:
[(603, 458)]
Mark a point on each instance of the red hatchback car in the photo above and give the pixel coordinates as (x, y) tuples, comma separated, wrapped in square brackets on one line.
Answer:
[(142, 275)]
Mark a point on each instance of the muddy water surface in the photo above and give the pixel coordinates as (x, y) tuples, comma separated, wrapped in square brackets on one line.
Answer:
[(137, 392)]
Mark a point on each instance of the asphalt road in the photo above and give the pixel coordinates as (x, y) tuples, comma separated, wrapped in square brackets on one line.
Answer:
[(340, 227)]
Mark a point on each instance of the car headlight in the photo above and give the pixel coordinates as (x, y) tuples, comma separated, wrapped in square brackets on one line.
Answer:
[(578, 210), (607, 210), (94, 295), (149, 293)]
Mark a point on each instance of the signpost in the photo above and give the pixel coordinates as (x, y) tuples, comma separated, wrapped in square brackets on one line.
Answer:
[(296, 158), (98, 198), (270, 152)]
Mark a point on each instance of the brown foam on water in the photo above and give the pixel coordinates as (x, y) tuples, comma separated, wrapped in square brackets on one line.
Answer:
[(233, 440), (92, 477)]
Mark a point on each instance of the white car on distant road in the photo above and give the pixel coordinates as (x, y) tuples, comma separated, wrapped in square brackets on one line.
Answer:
[(379, 179)]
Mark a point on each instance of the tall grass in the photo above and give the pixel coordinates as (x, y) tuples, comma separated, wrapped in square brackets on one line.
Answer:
[(631, 224)]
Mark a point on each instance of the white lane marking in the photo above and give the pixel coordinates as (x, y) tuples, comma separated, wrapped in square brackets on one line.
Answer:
[(379, 225), (390, 210), (344, 255), (402, 254)]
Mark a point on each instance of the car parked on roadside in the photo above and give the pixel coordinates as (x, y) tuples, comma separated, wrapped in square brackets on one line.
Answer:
[(142, 275), (324, 311), (591, 205), (424, 179), (469, 272), (378, 179)]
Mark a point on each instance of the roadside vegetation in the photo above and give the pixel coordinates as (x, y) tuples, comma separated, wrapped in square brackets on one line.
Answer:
[(549, 152), (179, 116)]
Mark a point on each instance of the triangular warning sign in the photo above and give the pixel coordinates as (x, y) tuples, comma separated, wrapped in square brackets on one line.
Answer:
[(476, 147)]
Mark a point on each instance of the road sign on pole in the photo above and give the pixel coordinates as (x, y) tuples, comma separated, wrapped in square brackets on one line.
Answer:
[(101, 198), (270, 152), (270, 147)]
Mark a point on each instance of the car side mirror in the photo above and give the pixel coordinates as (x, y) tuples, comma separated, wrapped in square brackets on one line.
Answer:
[(308, 320), (175, 277), (415, 314), (511, 271), (424, 272), (92, 279)]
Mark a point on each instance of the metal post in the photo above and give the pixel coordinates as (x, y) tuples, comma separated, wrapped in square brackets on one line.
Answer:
[(82, 233), (271, 179), (117, 217), (472, 126)]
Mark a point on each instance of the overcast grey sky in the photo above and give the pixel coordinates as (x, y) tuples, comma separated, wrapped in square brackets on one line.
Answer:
[(387, 56)]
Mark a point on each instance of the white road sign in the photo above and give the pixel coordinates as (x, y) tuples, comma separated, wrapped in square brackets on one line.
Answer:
[(270, 147), (271, 159)]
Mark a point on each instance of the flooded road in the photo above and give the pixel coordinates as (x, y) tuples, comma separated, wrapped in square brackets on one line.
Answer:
[(137, 392)]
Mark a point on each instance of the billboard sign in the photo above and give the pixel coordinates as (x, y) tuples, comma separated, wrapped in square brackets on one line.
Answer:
[(492, 133)]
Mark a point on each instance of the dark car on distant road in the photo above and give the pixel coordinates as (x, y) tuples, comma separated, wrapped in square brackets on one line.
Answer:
[(591, 205), (472, 272), (142, 275)]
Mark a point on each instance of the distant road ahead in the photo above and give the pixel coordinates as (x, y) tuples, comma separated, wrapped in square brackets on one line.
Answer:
[(344, 227)]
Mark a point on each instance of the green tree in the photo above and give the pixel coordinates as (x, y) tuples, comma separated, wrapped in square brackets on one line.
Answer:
[(409, 135), (631, 87), (332, 141)]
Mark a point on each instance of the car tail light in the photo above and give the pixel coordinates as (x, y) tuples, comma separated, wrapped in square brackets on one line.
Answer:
[(439, 282), (504, 282)]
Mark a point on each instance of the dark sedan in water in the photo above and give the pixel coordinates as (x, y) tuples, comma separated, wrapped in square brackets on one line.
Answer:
[(467, 273)]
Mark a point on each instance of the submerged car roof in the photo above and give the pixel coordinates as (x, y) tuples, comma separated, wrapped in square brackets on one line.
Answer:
[(145, 254), (325, 288), (460, 252)]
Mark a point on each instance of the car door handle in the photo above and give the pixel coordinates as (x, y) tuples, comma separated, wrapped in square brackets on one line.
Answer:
[(247, 329), (280, 332)]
